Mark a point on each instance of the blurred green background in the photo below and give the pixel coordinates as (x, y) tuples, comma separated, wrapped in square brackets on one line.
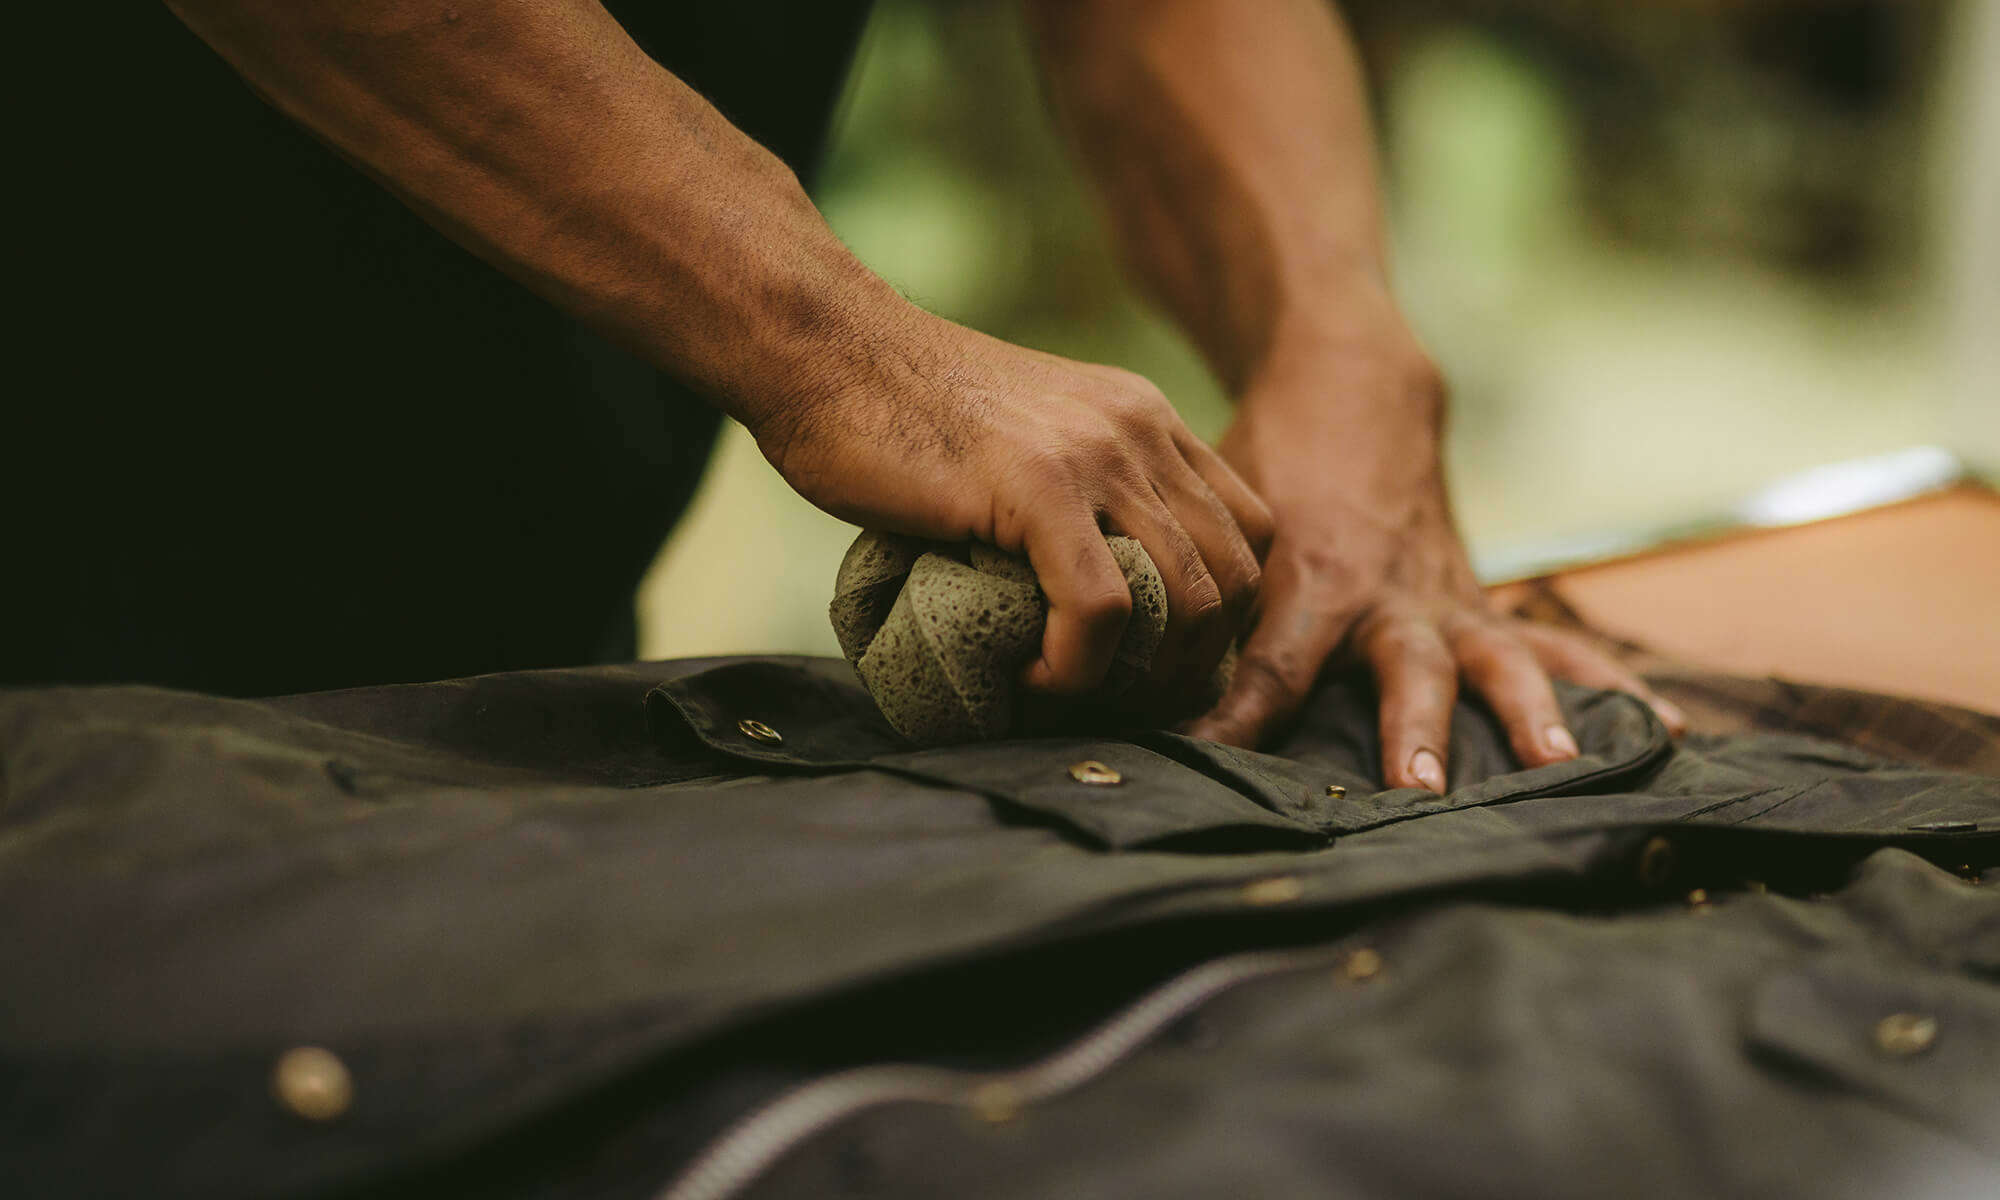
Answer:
[(1665, 253)]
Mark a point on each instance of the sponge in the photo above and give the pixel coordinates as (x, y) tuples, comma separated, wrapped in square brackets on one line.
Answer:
[(938, 633)]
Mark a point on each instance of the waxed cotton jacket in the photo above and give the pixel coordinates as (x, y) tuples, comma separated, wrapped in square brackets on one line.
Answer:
[(710, 928)]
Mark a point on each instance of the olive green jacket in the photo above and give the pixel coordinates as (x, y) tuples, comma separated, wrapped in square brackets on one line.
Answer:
[(710, 928)]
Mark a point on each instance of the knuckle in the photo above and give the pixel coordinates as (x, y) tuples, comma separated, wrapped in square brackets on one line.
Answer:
[(1108, 448), (1270, 676), (1405, 730), (1320, 562), (1134, 409), (1425, 385), (1046, 467), (1425, 377), (1428, 658), (1200, 597), (1249, 582), (1120, 408), (1240, 586), (1105, 606), (1408, 641), (1481, 647), (1204, 630), (1138, 386)]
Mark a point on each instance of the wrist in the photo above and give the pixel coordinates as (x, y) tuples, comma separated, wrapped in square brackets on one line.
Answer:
[(1348, 355), (820, 331), (858, 361)]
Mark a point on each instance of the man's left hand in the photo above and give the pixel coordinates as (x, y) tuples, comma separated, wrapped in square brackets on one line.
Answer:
[(1341, 439)]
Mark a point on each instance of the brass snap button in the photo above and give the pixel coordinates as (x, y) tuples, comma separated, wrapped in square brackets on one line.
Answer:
[(1279, 889), (995, 1103), (757, 731), (1095, 773), (1698, 901), (1336, 791), (1904, 1034), (1656, 862), (312, 1083), (1361, 966)]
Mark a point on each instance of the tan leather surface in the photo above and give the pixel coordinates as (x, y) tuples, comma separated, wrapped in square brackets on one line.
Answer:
[(1903, 599)]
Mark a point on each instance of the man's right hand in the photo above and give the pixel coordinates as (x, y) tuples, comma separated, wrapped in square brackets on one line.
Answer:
[(547, 142), (953, 435)]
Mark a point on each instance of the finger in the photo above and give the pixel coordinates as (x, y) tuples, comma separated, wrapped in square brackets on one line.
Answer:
[(1224, 550), (1089, 602), (1291, 642), (1573, 659), (1507, 675), (1418, 681), (1251, 514), (1198, 629)]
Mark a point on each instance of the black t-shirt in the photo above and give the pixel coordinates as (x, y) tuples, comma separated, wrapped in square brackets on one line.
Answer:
[(268, 431)]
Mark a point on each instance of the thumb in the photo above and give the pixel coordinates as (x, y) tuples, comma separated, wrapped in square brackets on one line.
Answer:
[(1276, 670)]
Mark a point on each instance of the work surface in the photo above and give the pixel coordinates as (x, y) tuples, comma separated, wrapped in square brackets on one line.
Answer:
[(556, 933), (1903, 599)]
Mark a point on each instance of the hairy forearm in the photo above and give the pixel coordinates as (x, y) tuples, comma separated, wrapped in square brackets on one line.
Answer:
[(542, 138), (1233, 146)]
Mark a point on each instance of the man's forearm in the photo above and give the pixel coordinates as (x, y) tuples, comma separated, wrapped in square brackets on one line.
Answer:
[(1232, 141), (541, 137)]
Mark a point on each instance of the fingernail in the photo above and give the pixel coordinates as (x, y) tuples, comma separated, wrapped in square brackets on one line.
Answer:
[(1670, 713), (1559, 742), (1428, 770)]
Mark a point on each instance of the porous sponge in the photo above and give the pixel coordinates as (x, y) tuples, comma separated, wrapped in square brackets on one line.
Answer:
[(938, 633)]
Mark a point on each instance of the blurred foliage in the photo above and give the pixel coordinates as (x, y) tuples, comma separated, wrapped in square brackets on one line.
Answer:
[(946, 176)]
